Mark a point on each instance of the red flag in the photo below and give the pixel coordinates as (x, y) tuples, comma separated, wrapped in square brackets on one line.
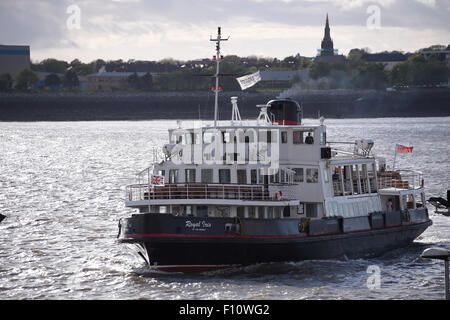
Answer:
[(403, 149)]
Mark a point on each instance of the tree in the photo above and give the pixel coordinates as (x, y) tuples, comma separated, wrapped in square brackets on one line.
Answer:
[(25, 79), (134, 81), (147, 82), (70, 80), (52, 65), (52, 80), (419, 71), (6, 82)]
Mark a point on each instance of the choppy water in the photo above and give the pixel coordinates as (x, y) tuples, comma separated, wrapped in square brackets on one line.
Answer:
[(62, 188)]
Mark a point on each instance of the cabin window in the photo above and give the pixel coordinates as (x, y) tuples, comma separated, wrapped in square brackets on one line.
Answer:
[(253, 176), (207, 175), (202, 211), (188, 210), (277, 212), (301, 209), (323, 138), (312, 175), (309, 137), (284, 137), (240, 212), (224, 176), (363, 177), (348, 184), (189, 138), (298, 174), (173, 176), (260, 211), (282, 176), (190, 175), (297, 137), (286, 212), (162, 209), (270, 213), (311, 210), (372, 179), (242, 176), (252, 212)]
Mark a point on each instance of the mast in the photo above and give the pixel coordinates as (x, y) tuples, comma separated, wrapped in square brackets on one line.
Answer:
[(218, 58)]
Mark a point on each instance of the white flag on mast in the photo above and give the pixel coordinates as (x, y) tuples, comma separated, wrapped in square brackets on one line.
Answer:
[(249, 80)]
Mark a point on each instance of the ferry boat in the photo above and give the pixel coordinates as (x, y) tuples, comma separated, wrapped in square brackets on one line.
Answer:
[(268, 190)]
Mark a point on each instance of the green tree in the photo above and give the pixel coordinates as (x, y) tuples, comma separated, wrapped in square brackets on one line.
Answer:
[(70, 80), (25, 79), (147, 82), (134, 81), (6, 82), (53, 65), (52, 80)]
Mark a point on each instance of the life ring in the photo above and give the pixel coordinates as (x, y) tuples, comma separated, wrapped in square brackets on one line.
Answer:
[(278, 195)]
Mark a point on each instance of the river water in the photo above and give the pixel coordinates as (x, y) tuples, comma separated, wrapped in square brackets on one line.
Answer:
[(62, 188)]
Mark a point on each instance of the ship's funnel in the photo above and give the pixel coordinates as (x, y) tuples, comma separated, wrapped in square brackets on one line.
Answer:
[(284, 112)]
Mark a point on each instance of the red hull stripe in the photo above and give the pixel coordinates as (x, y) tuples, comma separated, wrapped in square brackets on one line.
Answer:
[(180, 236)]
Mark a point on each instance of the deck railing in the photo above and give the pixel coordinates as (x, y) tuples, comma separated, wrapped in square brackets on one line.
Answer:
[(139, 192), (400, 179)]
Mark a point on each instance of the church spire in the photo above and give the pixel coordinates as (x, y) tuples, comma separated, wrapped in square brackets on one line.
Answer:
[(327, 43)]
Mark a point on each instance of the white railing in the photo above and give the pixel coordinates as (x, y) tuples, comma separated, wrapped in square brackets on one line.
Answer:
[(400, 179), (139, 192)]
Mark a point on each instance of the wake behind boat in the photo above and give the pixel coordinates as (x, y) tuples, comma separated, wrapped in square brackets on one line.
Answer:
[(268, 190)]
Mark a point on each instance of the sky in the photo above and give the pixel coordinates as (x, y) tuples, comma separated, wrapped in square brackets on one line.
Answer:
[(159, 29)]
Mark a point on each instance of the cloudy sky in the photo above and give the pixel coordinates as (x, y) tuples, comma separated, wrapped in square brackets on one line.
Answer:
[(157, 29)]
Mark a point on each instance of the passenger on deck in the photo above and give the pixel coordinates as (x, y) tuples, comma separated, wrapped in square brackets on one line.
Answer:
[(309, 139)]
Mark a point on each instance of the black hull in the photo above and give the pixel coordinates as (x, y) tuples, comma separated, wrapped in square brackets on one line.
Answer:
[(194, 252)]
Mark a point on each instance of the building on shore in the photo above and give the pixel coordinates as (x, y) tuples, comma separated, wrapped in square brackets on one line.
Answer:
[(109, 81), (13, 59), (441, 53), (388, 59), (282, 79), (327, 52)]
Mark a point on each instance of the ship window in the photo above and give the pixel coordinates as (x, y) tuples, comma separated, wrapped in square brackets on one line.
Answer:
[(189, 138), (240, 212), (242, 176), (323, 138), (270, 213), (311, 210), (252, 212), (260, 211), (202, 211), (208, 137), (162, 209), (190, 175), (173, 176), (286, 212), (207, 175), (312, 175), (253, 176), (284, 137), (297, 137), (298, 176), (309, 137), (277, 212), (282, 176), (224, 176)]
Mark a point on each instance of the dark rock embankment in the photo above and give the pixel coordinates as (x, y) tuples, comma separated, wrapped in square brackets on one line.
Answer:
[(195, 105)]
